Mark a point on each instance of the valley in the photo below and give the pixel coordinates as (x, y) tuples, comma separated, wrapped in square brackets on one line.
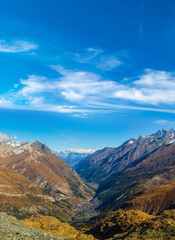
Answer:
[(115, 193)]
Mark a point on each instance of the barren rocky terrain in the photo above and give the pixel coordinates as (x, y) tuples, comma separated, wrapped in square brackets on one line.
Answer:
[(11, 229)]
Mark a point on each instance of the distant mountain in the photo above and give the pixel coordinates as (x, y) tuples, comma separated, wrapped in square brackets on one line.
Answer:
[(73, 156), (9, 141)]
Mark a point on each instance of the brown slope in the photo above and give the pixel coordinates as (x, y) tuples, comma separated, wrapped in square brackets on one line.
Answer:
[(37, 162), (155, 200), (21, 197), (117, 223), (51, 224), (134, 224)]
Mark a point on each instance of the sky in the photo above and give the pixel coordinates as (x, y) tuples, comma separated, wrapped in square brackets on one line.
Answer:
[(86, 74)]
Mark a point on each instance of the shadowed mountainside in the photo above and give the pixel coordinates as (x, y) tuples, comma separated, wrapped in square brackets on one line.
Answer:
[(105, 163), (131, 170)]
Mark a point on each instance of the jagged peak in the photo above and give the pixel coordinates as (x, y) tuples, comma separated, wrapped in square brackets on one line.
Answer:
[(40, 147), (161, 132), (171, 131), (130, 141)]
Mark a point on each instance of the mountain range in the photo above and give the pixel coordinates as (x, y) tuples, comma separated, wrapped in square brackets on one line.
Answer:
[(124, 173), (9, 141), (114, 193), (73, 156)]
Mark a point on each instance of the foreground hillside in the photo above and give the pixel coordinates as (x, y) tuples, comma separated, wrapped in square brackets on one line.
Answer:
[(51, 224), (10, 229), (134, 225)]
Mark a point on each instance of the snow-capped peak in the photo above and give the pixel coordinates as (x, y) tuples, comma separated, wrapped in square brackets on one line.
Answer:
[(81, 150), (72, 156)]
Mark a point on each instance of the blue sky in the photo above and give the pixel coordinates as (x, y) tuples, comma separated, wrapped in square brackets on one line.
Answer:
[(86, 74)]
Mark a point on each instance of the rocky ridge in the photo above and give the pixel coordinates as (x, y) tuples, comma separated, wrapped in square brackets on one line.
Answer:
[(105, 163)]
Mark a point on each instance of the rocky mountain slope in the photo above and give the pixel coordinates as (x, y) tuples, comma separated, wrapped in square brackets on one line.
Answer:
[(153, 170), (21, 197), (139, 174), (105, 163), (87, 167), (37, 163), (154, 200), (5, 150), (73, 156)]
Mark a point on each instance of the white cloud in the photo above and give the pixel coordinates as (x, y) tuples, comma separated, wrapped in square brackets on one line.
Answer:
[(5, 102), (84, 92), (158, 79), (153, 88), (17, 46), (84, 85)]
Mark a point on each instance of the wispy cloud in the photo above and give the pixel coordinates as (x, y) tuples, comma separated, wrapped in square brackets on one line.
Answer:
[(17, 46), (84, 92), (90, 54), (165, 122), (151, 88), (99, 58), (108, 63), (83, 85)]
